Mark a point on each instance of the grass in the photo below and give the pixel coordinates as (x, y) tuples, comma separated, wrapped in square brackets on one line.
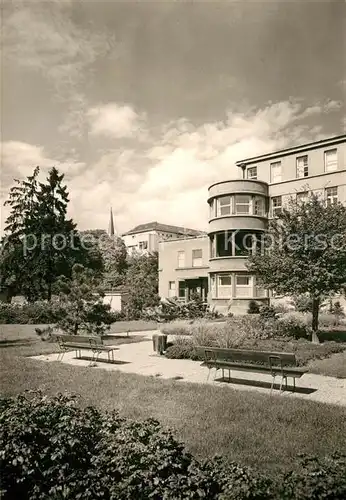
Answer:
[(22, 340), (247, 427), (28, 331), (334, 366)]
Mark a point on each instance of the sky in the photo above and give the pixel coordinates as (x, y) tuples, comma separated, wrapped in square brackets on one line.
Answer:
[(142, 105)]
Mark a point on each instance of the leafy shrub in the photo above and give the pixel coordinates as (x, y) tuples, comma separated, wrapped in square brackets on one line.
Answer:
[(307, 351), (302, 303), (237, 482), (283, 308), (51, 448), (177, 327), (114, 316), (254, 307), (267, 312), (183, 350), (292, 325), (172, 309), (231, 333), (316, 478), (40, 312), (338, 310), (288, 334)]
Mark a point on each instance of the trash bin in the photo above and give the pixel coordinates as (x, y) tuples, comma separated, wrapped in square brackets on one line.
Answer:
[(159, 342), (155, 341)]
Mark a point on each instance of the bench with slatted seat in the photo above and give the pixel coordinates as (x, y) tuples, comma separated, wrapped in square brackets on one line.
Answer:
[(84, 342), (281, 364)]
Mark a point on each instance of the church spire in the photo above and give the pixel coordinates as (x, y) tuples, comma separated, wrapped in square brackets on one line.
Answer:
[(111, 231)]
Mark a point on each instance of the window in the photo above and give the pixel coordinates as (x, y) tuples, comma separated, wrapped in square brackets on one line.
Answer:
[(223, 244), (260, 291), (181, 289), (258, 207), (330, 160), (143, 245), (224, 286), (197, 260), (252, 173), (302, 197), (224, 204), (242, 204), (171, 289), (302, 166), (332, 195), (276, 205), (243, 243), (181, 258), (243, 286), (275, 171), (243, 280)]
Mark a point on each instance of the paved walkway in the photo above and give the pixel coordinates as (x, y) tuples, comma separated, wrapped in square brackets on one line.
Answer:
[(140, 359)]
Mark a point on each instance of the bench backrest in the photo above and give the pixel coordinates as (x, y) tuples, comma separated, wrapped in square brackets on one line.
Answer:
[(80, 339), (247, 355)]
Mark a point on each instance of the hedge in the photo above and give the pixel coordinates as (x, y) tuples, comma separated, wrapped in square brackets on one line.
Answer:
[(51, 448), (37, 313)]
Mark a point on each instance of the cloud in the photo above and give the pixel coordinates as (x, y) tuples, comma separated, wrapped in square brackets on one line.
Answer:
[(115, 121), (168, 178), (319, 108), (19, 160), (42, 37)]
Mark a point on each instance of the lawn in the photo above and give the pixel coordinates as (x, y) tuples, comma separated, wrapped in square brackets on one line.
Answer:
[(334, 366), (22, 340), (12, 332), (250, 428)]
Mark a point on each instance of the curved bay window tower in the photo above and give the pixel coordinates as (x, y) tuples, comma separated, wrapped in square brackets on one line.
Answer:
[(237, 223)]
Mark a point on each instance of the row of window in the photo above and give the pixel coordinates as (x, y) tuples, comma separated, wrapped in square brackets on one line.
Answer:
[(255, 205), (223, 286), (226, 286), (331, 196), (240, 243), (302, 166), (184, 292), (197, 258), (239, 204)]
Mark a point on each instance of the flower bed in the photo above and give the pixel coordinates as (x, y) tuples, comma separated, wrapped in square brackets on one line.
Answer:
[(246, 332)]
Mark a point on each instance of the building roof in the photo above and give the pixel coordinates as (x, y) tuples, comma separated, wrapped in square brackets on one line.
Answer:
[(157, 226), (293, 150)]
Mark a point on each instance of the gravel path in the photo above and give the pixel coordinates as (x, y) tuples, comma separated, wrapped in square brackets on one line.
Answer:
[(140, 359)]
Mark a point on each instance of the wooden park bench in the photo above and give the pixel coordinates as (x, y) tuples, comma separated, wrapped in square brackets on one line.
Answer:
[(281, 364), (83, 342)]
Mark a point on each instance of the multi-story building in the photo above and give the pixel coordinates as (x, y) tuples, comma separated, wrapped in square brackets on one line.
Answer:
[(239, 213), (145, 237)]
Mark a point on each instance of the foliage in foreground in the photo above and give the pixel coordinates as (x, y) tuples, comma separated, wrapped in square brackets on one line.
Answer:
[(52, 449)]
